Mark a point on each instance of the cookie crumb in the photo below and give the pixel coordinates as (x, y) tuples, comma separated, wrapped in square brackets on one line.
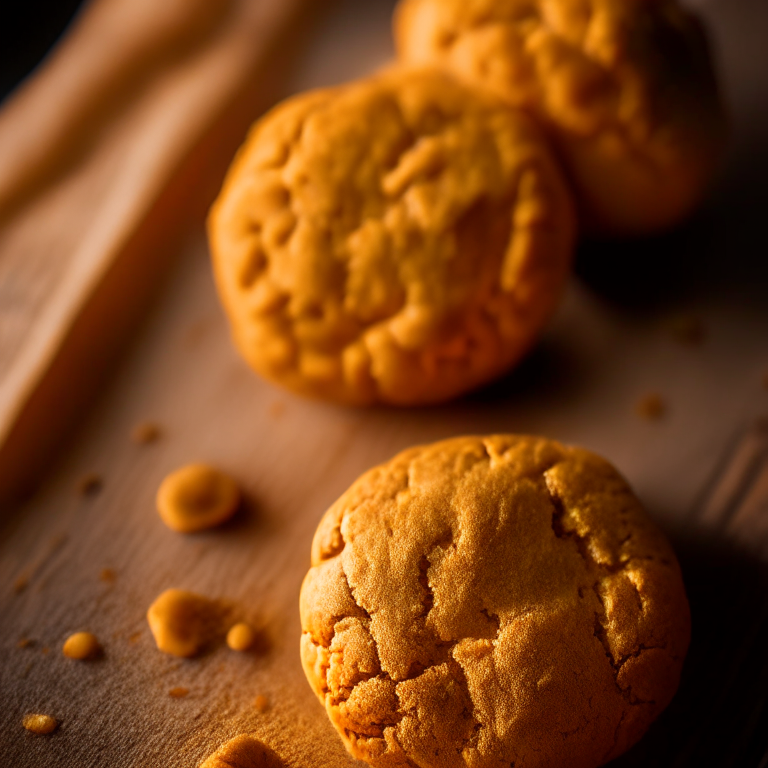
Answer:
[(81, 645), (20, 584), (179, 692), (244, 751), (197, 497), (688, 330), (145, 433), (40, 724), (241, 637), (182, 622), (261, 704), (651, 407), (90, 485), (25, 642), (45, 650), (108, 576), (135, 637)]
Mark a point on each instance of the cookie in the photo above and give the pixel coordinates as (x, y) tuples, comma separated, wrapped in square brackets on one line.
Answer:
[(492, 602), (625, 88), (402, 239)]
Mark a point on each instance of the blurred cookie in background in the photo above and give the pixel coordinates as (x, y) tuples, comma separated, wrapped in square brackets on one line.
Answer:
[(625, 88), (401, 239)]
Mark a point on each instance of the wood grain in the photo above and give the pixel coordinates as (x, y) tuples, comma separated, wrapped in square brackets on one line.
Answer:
[(107, 155)]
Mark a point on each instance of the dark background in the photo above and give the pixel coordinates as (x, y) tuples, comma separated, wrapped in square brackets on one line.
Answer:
[(28, 28)]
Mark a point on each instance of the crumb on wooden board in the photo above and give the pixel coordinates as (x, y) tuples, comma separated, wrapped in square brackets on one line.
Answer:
[(81, 646), (183, 623), (90, 485), (651, 407), (241, 637), (40, 724), (244, 751), (197, 497), (146, 433)]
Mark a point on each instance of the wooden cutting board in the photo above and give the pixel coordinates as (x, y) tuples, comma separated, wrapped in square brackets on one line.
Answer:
[(71, 561)]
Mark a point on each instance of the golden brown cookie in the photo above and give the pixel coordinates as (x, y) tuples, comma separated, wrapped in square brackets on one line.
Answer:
[(487, 602), (402, 239), (625, 87)]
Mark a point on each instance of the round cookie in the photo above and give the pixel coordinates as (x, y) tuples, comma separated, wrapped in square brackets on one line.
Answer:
[(487, 602), (625, 87), (401, 239)]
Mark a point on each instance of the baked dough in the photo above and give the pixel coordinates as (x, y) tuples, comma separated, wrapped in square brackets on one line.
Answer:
[(196, 497), (402, 239), (244, 751), (625, 87), (487, 602)]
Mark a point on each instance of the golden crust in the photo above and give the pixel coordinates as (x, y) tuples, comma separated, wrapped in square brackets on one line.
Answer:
[(402, 239), (625, 87), (492, 601), (244, 751)]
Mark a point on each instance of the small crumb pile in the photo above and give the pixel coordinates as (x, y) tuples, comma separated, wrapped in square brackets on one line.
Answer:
[(244, 751), (90, 484), (81, 645), (182, 622), (145, 433), (651, 407), (241, 637), (197, 497), (40, 724)]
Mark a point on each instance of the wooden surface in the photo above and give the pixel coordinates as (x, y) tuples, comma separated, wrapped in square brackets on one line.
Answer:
[(700, 471), (107, 156)]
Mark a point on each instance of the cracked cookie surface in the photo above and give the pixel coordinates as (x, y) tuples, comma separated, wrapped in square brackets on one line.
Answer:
[(487, 602), (402, 239), (626, 88)]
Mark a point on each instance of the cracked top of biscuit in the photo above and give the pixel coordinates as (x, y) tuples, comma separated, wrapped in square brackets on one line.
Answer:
[(628, 81), (400, 239), (489, 602)]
